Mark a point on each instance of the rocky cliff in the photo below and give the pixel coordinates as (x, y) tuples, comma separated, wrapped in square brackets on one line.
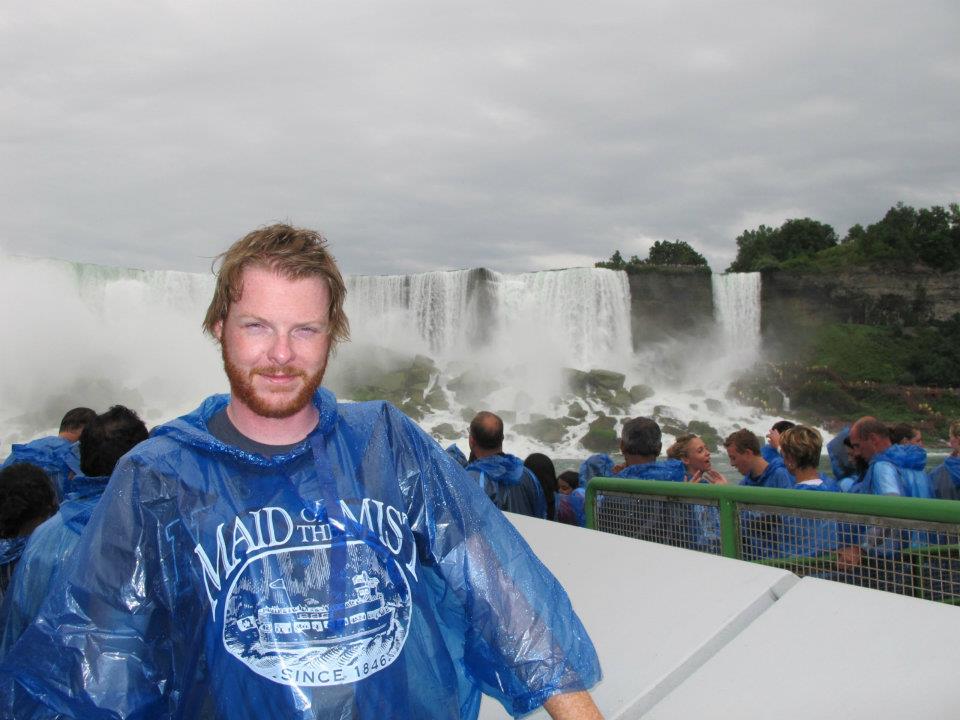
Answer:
[(669, 303)]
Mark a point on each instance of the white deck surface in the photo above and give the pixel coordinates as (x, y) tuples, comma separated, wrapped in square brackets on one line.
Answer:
[(831, 650), (655, 613)]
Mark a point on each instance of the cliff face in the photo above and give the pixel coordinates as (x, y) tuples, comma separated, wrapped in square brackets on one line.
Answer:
[(795, 302), (669, 304)]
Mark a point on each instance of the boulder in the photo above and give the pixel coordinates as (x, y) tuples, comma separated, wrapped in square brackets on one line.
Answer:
[(546, 430), (576, 410), (446, 431), (713, 405), (606, 379), (709, 435), (639, 393)]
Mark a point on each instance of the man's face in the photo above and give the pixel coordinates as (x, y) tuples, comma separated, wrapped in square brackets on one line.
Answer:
[(864, 447), (275, 342), (742, 461)]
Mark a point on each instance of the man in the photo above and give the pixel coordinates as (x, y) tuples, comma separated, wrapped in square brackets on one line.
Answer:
[(273, 554), (668, 523), (57, 455), (896, 470), (743, 450), (892, 469), (640, 444), (503, 477), (104, 440)]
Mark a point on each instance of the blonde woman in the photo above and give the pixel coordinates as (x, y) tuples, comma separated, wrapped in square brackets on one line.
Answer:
[(693, 452)]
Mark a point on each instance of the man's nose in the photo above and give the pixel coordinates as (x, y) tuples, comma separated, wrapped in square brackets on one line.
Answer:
[(281, 351)]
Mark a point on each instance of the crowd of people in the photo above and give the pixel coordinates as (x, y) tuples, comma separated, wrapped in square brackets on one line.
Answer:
[(868, 457)]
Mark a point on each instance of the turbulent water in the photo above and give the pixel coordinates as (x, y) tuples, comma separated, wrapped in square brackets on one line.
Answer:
[(89, 335)]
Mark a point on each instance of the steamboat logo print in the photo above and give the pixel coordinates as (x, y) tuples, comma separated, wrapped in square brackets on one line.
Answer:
[(292, 618)]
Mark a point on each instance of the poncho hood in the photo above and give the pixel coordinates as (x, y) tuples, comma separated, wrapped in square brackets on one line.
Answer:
[(909, 457), (503, 469)]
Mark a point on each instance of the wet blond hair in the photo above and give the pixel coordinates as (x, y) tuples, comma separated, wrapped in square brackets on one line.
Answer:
[(803, 445)]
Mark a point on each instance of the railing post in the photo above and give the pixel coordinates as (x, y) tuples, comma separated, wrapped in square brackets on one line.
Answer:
[(728, 528)]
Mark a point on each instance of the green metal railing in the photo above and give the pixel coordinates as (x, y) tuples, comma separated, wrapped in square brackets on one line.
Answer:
[(904, 545)]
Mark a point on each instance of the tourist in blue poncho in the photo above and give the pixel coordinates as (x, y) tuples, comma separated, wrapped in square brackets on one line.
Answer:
[(275, 552), (570, 500), (640, 444), (771, 449), (503, 477), (945, 479), (743, 450), (104, 440), (27, 498), (800, 447), (693, 452), (598, 465), (57, 455), (669, 523), (893, 469), (843, 465)]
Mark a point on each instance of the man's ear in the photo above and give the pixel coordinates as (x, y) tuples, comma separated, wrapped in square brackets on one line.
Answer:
[(218, 330)]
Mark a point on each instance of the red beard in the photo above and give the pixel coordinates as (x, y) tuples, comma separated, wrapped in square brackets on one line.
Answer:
[(241, 385)]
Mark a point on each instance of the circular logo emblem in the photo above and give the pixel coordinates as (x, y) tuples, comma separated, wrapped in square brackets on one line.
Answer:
[(294, 618)]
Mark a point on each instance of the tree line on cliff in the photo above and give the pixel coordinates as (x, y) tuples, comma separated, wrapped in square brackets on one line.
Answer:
[(905, 238)]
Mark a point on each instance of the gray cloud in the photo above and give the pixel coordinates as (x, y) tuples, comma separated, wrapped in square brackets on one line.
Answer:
[(422, 135)]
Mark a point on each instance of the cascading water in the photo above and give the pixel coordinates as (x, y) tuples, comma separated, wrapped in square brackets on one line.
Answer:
[(87, 335), (736, 303), (579, 316)]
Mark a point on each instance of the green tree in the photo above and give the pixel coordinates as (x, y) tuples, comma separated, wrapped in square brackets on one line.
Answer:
[(753, 249), (614, 263), (678, 252), (801, 238)]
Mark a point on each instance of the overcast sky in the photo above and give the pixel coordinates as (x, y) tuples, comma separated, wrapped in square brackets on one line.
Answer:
[(432, 135)]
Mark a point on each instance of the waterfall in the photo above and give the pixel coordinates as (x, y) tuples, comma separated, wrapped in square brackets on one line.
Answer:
[(580, 317), (736, 303)]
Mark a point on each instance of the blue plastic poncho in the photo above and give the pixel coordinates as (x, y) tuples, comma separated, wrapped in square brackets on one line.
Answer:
[(775, 475), (945, 480), (898, 470), (48, 549), (769, 453), (510, 484), (571, 509), (457, 454), (672, 470), (58, 457), (599, 465), (839, 455), (10, 551), (361, 575)]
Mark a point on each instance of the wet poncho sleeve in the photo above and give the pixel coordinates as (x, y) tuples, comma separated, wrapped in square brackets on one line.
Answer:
[(523, 641)]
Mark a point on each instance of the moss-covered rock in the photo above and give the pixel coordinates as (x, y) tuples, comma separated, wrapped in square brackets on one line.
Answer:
[(639, 393), (576, 410), (709, 435), (601, 436), (546, 430), (605, 379), (446, 431)]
